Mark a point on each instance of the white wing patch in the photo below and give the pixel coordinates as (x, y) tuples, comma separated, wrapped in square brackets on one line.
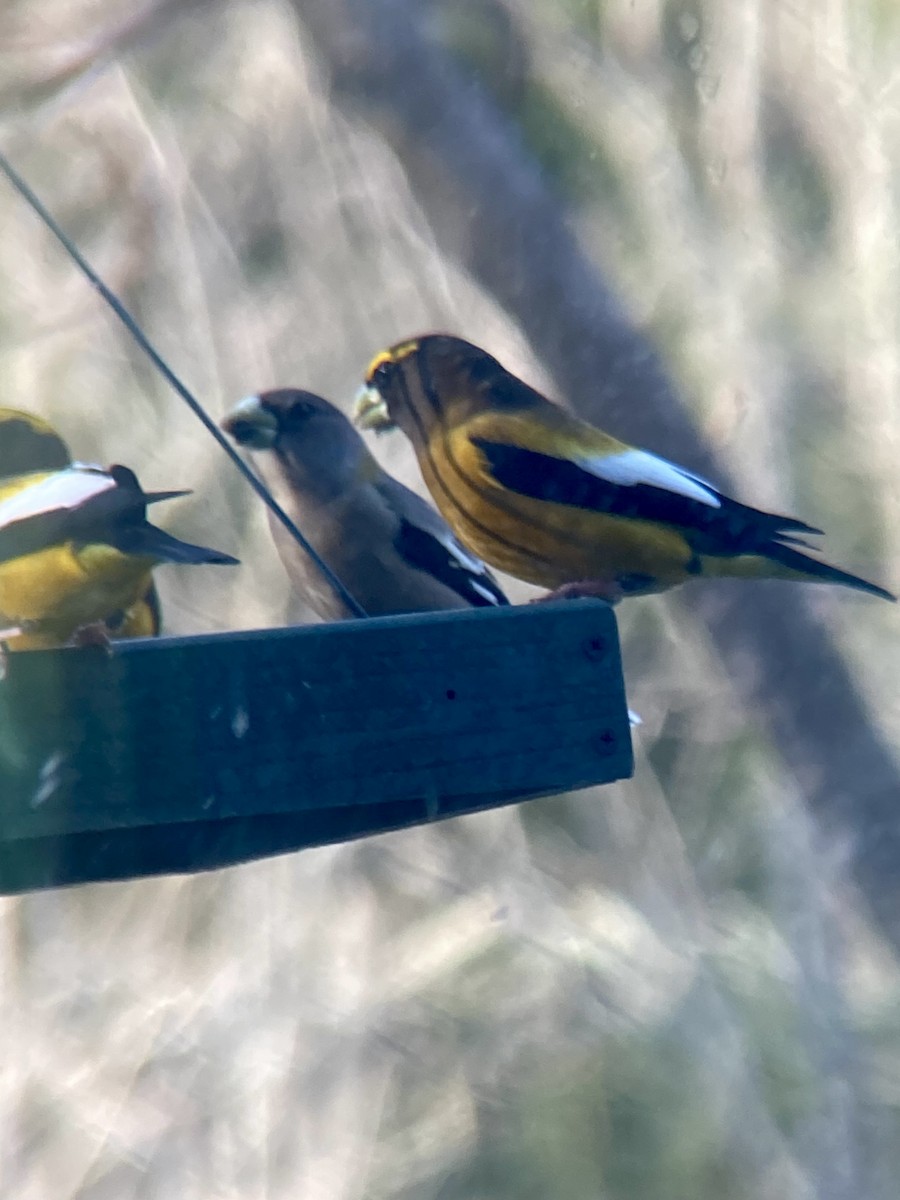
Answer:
[(462, 555), (67, 489), (417, 515), (469, 562), (489, 596), (632, 467)]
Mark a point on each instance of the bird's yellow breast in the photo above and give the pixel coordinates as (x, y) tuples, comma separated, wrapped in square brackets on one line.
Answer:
[(56, 590)]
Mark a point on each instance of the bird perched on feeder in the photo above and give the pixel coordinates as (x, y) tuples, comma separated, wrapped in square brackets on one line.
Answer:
[(76, 550), (388, 546), (27, 444), (553, 500)]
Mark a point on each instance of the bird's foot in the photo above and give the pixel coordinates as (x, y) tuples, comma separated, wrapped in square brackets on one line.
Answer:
[(94, 634), (585, 589)]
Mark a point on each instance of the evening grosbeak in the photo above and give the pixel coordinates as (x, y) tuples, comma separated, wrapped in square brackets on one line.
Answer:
[(548, 498), (28, 443), (389, 547), (76, 550)]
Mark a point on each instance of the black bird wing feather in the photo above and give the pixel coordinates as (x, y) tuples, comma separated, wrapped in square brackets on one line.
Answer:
[(426, 542), (106, 507), (730, 529)]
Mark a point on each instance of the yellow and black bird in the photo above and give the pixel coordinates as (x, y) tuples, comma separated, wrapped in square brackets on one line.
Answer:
[(555, 501), (27, 444), (76, 549), (388, 546)]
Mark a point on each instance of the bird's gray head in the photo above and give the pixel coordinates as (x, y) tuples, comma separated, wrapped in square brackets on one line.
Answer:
[(317, 449)]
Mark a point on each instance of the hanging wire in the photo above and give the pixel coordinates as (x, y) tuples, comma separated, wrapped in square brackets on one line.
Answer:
[(162, 366)]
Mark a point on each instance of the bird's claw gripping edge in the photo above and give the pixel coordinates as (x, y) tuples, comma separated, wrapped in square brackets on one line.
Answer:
[(585, 589)]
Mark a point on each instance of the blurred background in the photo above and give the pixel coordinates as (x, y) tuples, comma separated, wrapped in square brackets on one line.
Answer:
[(677, 216)]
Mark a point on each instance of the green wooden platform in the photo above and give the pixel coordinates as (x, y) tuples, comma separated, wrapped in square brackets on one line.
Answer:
[(185, 754)]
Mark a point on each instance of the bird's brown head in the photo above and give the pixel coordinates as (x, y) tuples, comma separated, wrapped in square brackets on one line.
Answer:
[(314, 445), (433, 382)]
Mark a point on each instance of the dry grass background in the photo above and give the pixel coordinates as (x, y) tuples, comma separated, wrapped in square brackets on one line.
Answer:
[(667, 988)]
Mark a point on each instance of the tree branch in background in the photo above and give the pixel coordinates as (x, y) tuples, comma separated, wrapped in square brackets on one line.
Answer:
[(493, 211)]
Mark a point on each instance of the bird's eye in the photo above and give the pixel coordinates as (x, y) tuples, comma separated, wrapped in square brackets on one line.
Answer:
[(382, 372), (301, 410)]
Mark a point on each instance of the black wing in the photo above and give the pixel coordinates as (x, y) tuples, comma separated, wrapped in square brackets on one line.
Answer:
[(446, 560), (730, 529)]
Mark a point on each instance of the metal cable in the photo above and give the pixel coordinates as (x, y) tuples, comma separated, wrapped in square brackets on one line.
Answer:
[(162, 366)]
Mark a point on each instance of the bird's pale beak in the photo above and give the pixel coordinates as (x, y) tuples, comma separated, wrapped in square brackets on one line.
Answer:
[(251, 425), (370, 410)]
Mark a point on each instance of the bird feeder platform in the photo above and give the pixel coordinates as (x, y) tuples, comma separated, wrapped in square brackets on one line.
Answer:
[(186, 754)]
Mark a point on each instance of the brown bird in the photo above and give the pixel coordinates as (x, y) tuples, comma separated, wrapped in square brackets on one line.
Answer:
[(555, 501), (388, 546)]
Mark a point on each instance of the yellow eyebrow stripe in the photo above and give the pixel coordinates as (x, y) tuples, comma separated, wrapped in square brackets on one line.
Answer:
[(404, 349), (395, 354)]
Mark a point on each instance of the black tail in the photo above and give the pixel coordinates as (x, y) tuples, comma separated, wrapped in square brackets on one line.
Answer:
[(795, 561), (127, 484), (155, 543), (155, 497)]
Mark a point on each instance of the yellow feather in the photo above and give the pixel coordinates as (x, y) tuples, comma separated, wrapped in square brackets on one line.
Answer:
[(544, 543), (59, 589)]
